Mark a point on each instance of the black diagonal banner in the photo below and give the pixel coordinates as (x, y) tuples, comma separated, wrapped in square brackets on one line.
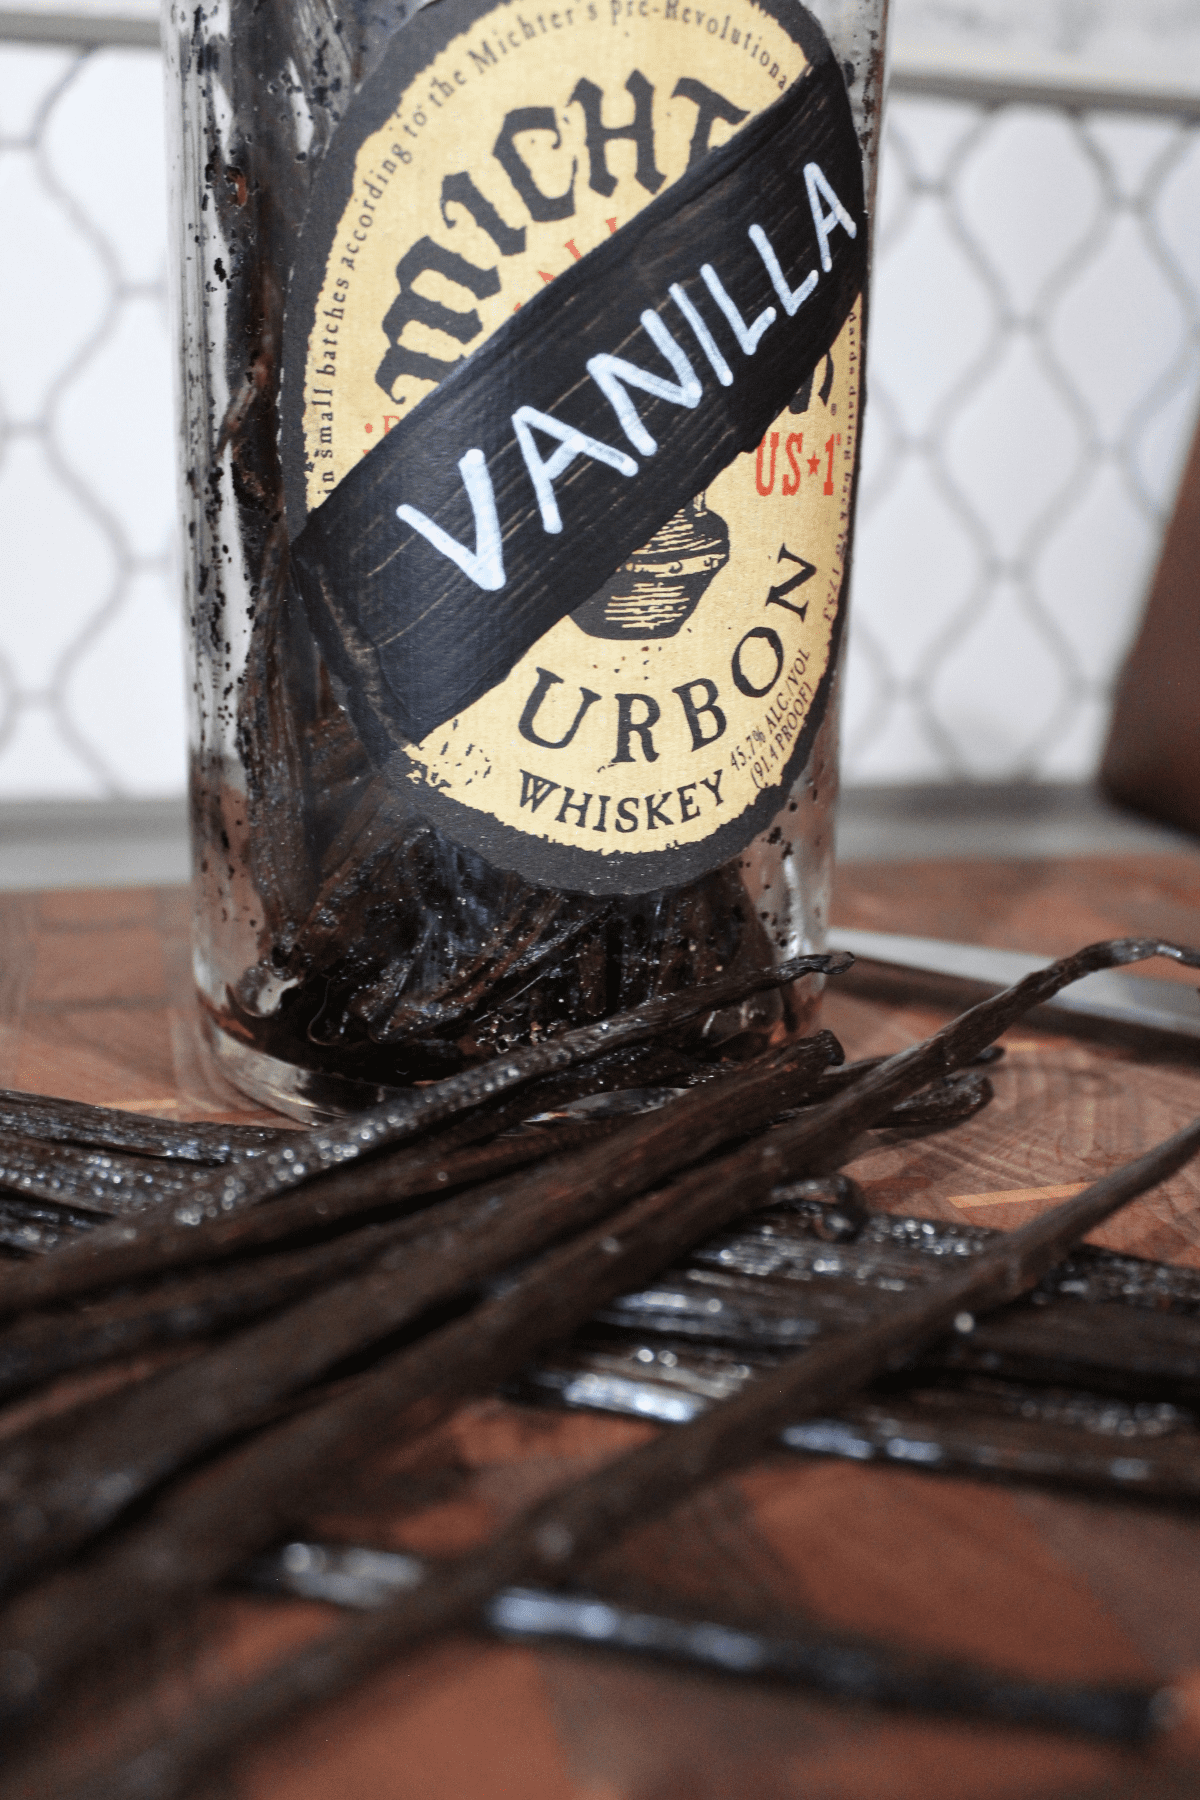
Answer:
[(517, 487)]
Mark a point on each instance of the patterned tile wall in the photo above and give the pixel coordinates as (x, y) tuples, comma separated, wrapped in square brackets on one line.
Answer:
[(91, 683), (1035, 373)]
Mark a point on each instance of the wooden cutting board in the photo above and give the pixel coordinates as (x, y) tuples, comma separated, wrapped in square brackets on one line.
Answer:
[(95, 1005)]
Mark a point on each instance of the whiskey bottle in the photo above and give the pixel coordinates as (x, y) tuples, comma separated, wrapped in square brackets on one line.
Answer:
[(521, 386)]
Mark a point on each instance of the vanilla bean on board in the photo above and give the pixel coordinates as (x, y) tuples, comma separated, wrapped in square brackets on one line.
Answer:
[(198, 1533), (1056, 1389), (35, 1228), (53, 1340), (108, 1128), (555, 1540), (1112, 1324), (313, 1153), (1000, 1428), (57, 1495), (107, 1183), (732, 1640), (114, 1183), (54, 1189), (834, 1080), (944, 1102), (147, 1243), (42, 1345)]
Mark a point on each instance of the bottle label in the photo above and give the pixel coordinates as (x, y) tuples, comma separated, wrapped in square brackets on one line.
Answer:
[(570, 415)]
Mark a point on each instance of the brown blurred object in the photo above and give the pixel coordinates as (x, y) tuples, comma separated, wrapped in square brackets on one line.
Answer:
[(1152, 760)]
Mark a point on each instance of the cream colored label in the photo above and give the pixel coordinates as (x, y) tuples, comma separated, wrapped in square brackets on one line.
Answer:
[(662, 709)]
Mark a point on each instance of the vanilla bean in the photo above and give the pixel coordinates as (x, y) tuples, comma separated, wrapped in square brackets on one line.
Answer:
[(1092, 1380), (36, 1227), (1105, 1322), (1069, 1440), (733, 1641), (40, 1345), (58, 1495), (557, 1538), (450, 1157), (144, 1246), (195, 1536), (315, 1152), (988, 1428), (107, 1128), (943, 1103), (834, 1080), (43, 1344), (49, 1342), (51, 1169), (106, 1183)]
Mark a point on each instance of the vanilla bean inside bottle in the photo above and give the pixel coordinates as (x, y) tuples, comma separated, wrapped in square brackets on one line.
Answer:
[(521, 385)]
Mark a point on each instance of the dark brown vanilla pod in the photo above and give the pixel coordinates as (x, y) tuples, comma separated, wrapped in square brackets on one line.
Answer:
[(1103, 1321), (739, 1642), (49, 1342), (43, 1344), (944, 1102), (42, 1117), (194, 1537), (994, 1427), (33, 1228), (1092, 1381), (478, 1149), (834, 1080), (557, 1539), (55, 1494), (104, 1183), (247, 1283), (406, 1116), (145, 1243), (508, 724)]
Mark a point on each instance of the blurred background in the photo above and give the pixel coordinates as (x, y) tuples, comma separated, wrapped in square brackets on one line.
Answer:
[(1034, 384)]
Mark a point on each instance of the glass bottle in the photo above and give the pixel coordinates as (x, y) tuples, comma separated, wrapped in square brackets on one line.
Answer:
[(520, 397)]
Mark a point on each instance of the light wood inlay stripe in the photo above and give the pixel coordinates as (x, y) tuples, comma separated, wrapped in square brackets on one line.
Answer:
[(1012, 1196)]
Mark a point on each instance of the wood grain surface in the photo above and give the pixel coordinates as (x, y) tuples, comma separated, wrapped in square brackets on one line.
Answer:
[(95, 1005)]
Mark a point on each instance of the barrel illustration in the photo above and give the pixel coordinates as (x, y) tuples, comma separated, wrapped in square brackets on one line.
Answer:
[(660, 586)]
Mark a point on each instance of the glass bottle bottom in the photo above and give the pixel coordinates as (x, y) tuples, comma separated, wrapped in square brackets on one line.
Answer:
[(317, 1097), (312, 1096)]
